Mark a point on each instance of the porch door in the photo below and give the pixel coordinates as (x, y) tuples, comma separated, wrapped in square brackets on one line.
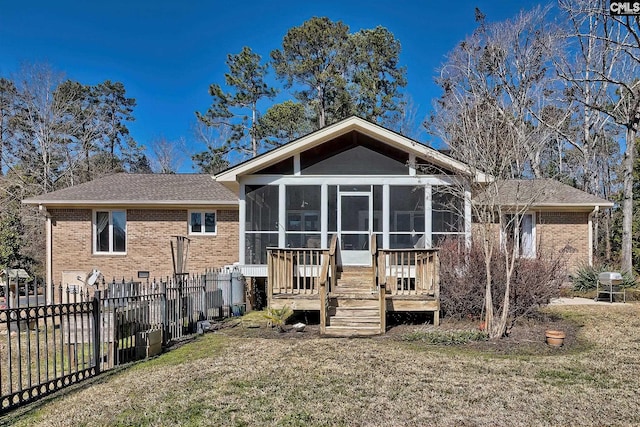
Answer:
[(355, 211)]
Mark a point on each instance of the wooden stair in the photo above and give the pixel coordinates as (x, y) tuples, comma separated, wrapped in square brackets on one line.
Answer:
[(354, 307)]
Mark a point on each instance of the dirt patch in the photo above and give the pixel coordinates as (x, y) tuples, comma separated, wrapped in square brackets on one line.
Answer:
[(526, 337)]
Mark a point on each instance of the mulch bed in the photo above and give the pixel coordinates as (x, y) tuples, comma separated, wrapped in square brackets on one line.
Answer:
[(526, 337)]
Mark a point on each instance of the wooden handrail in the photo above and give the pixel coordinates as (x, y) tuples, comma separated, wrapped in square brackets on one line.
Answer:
[(327, 278), (373, 246), (328, 264), (333, 245)]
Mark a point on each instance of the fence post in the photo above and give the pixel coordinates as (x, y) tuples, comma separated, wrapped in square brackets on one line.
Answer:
[(165, 312), (204, 310), (97, 323)]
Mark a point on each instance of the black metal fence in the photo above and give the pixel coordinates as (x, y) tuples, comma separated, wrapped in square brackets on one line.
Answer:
[(46, 347)]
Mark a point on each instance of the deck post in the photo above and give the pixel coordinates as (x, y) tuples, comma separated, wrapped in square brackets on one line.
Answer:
[(383, 307), (270, 276), (323, 308)]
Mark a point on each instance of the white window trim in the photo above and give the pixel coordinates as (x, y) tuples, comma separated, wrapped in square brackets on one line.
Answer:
[(95, 233), (202, 212), (534, 251)]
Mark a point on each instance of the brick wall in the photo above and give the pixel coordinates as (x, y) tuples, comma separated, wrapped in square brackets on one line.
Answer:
[(565, 232), (559, 232), (149, 233)]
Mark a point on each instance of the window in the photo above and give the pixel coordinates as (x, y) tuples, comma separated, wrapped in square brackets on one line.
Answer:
[(202, 222), (110, 232), (520, 230)]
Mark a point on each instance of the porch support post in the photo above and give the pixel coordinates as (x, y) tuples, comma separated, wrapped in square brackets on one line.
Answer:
[(324, 216), (412, 165), (428, 216), (467, 214), (385, 216), (242, 215), (296, 164), (282, 215)]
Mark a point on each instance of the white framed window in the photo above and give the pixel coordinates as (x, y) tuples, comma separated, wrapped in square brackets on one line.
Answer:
[(110, 232), (520, 230), (202, 223)]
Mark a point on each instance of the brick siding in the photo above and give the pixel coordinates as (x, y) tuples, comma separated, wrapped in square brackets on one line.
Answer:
[(149, 233), (565, 232), (559, 232)]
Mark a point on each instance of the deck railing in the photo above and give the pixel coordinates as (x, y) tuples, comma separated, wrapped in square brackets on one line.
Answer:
[(409, 271), (294, 271), (310, 271)]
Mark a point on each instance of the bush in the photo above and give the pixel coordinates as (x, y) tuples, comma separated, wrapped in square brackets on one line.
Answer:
[(586, 277), (462, 281), (278, 317)]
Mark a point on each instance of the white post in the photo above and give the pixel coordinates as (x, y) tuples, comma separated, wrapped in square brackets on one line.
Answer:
[(385, 216), (296, 164), (428, 216), (282, 215), (324, 216), (412, 165), (467, 215), (242, 215), (49, 284)]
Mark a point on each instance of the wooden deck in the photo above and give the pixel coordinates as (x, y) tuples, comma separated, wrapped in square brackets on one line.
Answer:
[(351, 298)]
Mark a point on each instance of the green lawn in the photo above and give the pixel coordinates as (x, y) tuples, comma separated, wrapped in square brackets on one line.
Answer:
[(231, 380)]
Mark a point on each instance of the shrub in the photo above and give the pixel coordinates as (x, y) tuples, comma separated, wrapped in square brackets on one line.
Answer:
[(586, 277), (462, 281), (278, 317)]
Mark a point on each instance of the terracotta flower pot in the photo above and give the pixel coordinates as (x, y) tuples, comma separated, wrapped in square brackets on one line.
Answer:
[(555, 338)]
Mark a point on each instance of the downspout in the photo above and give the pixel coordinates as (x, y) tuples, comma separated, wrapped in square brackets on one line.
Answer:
[(591, 215), (49, 255)]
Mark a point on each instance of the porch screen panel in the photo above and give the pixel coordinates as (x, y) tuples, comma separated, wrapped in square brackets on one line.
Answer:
[(303, 216), (333, 209), (377, 214), (447, 214), (406, 216), (261, 226), (256, 245)]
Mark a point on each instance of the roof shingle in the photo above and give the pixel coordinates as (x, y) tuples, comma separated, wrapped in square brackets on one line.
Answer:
[(537, 192), (124, 188)]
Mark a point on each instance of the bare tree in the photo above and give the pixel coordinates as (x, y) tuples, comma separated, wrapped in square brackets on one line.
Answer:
[(214, 158), (168, 155), (39, 144), (495, 83), (613, 67)]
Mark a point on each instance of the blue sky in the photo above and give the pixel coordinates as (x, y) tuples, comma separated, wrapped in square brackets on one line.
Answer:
[(167, 53)]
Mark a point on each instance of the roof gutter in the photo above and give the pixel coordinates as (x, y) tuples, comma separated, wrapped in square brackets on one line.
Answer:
[(146, 203)]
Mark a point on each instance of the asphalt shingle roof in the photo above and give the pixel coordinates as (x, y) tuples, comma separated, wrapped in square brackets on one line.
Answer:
[(538, 192), (124, 188)]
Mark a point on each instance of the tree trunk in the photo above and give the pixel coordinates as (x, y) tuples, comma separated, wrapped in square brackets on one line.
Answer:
[(627, 203), (252, 130)]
